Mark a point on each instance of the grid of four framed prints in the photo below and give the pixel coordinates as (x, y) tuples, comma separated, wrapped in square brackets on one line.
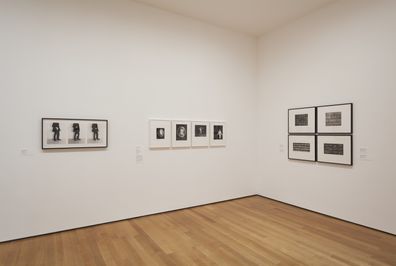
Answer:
[(321, 133), (185, 134)]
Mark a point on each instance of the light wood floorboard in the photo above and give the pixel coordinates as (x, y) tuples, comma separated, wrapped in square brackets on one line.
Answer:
[(248, 231)]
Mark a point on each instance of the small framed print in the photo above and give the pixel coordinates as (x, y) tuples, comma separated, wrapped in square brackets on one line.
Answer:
[(302, 120), (218, 134), (66, 133), (160, 134), (302, 147), (181, 134), (335, 149), (335, 119), (200, 134)]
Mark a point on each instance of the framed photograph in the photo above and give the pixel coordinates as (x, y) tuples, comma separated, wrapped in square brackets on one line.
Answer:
[(66, 133), (160, 134), (218, 134), (302, 147), (181, 134), (335, 149), (200, 134), (335, 118), (302, 120)]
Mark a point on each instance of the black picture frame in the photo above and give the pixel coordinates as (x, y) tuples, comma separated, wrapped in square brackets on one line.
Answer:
[(67, 146), (305, 132), (335, 133), (304, 135)]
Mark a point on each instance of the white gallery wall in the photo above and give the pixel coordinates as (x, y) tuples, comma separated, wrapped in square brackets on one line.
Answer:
[(342, 53), (127, 63)]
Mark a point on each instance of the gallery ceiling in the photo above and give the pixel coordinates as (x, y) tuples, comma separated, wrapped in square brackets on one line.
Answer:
[(255, 17)]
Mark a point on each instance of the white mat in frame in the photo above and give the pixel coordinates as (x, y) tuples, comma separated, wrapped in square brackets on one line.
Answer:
[(302, 120), (302, 147), (200, 134), (336, 149), (160, 133), (335, 118), (181, 134), (218, 134)]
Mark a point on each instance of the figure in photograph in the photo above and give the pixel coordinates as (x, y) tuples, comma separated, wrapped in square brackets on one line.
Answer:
[(95, 131), (56, 130), (200, 131), (181, 132), (218, 130), (160, 133), (76, 131)]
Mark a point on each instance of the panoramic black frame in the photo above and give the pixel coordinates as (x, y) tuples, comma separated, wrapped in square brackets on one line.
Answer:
[(72, 146)]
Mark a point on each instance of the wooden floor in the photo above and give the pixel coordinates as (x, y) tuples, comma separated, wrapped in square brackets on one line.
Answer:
[(248, 231)]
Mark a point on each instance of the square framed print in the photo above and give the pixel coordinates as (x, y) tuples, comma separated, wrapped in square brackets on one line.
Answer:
[(160, 134), (218, 134), (67, 133), (302, 147), (200, 134), (335, 119), (54, 133), (335, 149), (181, 134), (302, 120), (97, 133)]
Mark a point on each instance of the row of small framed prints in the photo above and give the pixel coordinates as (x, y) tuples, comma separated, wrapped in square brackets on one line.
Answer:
[(179, 134), (326, 119), (333, 149)]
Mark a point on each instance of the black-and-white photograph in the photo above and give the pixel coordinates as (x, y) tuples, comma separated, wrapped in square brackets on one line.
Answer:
[(76, 134), (54, 133), (335, 149), (335, 119), (200, 131), (181, 132), (95, 132), (160, 131), (302, 120), (218, 134), (302, 147), (200, 136), (66, 133), (76, 131)]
